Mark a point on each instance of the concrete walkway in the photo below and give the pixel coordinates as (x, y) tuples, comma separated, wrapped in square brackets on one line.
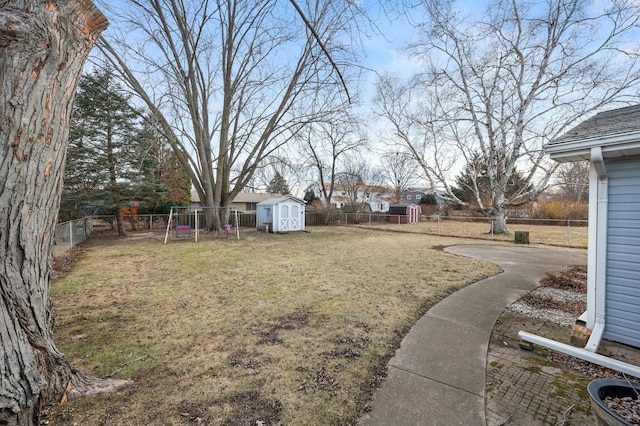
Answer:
[(437, 377)]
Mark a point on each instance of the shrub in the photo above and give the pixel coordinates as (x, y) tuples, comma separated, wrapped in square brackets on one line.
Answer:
[(561, 209)]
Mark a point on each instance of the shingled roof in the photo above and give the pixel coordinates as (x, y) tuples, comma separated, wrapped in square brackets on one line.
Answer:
[(607, 123), (618, 130)]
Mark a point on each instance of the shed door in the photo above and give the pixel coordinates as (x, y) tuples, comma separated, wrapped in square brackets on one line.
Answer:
[(290, 217), (623, 253)]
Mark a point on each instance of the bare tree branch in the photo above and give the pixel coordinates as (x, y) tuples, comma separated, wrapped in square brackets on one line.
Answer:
[(508, 82)]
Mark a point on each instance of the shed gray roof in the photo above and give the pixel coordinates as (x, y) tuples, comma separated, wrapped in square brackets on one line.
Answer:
[(616, 131), (277, 200)]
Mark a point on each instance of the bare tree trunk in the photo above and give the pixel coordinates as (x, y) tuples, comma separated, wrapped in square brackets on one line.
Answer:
[(43, 45), (113, 182), (500, 223), (499, 216), (120, 222)]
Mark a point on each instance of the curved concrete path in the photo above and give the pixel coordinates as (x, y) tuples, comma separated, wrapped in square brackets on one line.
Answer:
[(437, 377)]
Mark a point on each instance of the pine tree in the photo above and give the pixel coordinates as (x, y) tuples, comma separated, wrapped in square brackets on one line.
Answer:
[(107, 150), (473, 183), (278, 185), (174, 179), (149, 189), (310, 196)]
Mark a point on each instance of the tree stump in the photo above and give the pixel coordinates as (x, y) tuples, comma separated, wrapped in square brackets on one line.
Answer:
[(521, 237)]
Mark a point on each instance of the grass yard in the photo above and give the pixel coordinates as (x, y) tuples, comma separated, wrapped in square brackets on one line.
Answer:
[(293, 329), (555, 235)]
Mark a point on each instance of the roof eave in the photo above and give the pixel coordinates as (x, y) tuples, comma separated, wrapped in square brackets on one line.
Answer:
[(620, 145)]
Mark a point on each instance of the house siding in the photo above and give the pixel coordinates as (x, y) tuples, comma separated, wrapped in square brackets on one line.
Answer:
[(623, 253)]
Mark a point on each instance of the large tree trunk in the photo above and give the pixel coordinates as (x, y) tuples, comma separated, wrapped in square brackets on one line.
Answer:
[(499, 221), (43, 45)]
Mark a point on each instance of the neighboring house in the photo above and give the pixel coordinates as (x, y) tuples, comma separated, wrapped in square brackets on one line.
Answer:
[(415, 195), (376, 196), (611, 142), (281, 214), (245, 202)]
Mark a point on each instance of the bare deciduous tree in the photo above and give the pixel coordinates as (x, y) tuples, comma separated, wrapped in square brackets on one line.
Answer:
[(232, 81), (323, 147), (506, 84), (572, 181), (401, 170), (362, 185), (43, 46)]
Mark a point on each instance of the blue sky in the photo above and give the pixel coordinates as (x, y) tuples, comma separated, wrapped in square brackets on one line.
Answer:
[(385, 52)]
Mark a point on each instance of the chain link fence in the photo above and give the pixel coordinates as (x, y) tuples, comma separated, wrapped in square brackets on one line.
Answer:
[(562, 232), (71, 233)]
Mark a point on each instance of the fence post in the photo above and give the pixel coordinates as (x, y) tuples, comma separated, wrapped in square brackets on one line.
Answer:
[(369, 219), (70, 234)]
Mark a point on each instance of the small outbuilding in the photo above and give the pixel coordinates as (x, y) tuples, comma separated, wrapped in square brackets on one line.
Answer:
[(281, 214), (404, 213)]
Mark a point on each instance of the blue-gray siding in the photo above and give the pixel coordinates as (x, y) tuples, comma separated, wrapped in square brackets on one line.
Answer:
[(623, 252)]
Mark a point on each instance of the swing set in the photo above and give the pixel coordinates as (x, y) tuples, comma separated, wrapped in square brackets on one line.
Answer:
[(186, 221)]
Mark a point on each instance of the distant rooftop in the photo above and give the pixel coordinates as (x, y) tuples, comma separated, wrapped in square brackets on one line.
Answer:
[(243, 197)]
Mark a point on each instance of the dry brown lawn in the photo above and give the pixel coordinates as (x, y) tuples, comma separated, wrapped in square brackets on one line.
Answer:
[(282, 329), (554, 235)]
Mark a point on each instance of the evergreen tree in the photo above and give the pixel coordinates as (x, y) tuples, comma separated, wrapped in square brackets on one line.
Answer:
[(473, 183), (107, 155), (278, 185), (163, 181), (174, 179), (429, 199), (310, 196)]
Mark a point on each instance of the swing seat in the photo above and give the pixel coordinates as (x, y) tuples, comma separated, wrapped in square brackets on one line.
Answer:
[(183, 230)]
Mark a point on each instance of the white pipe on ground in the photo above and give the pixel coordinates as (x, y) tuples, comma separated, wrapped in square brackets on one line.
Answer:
[(581, 353)]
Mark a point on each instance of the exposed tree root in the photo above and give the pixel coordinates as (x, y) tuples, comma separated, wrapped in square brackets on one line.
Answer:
[(87, 386)]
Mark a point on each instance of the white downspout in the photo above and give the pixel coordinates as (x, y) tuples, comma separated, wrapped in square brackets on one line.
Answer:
[(600, 273), (597, 278)]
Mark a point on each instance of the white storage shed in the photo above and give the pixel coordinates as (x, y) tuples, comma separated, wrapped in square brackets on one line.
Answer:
[(281, 214)]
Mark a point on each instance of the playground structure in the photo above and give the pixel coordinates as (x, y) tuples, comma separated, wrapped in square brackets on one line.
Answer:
[(186, 221)]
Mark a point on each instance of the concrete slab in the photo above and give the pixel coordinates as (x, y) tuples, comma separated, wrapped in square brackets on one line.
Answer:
[(481, 303), (408, 399), (442, 351), (437, 376)]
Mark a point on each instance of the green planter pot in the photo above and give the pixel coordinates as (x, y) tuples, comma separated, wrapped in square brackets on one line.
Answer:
[(600, 389)]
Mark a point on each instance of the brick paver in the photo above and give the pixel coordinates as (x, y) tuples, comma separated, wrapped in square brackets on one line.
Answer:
[(525, 387)]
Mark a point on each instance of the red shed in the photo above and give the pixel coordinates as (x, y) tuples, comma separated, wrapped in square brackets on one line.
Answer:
[(404, 213)]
